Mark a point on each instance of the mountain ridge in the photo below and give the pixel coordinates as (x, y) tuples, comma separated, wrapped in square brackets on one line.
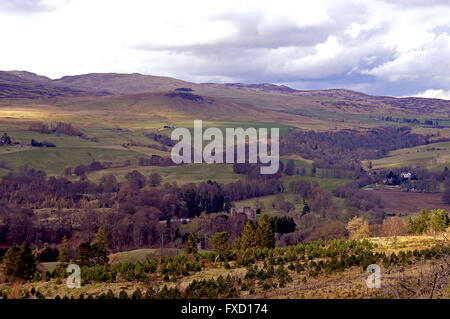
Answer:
[(24, 84)]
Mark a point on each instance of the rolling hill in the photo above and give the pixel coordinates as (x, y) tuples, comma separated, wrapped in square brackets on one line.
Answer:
[(31, 86), (267, 96)]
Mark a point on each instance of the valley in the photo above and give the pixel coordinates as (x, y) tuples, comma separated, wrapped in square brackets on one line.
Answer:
[(90, 154)]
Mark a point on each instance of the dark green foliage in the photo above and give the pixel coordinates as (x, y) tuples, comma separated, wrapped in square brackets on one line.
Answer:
[(264, 233), (19, 262), (220, 243), (282, 225), (190, 247), (84, 255), (419, 224), (5, 140), (290, 168)]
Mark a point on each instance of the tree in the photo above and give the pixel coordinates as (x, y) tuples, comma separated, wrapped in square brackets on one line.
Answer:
[(220, 243), (438, 221), (84, 254), (100, 248), (154, 179), (248, 236), (419, 224), (64, 252), (358, 228), (19, 262), (290, 168), (394, 227), (313, 169), (227, 204), (80, 170), (190, 247), (5, 140), (305, 209), (27, 266), (135, 179), (264, 233), (11, 261)]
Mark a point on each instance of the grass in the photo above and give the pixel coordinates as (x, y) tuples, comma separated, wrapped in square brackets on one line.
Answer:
[(328, 184), (267, 202), (54, 160), (435, 155), (142, 254), (404, 243), (184, 174)]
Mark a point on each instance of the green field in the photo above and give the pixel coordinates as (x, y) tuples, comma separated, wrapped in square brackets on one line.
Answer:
[(184, 174), (328, 184), (435, 156), (267, 202), (54, 160)]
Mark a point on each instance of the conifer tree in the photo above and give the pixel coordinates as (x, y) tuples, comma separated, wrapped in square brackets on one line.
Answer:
[(264, 233), (438, 221), (220, 243), (100, 248), (19, 262), (84, 255), (64, 252), (27, 267), (419, 224), (190, 247), (248, 236)]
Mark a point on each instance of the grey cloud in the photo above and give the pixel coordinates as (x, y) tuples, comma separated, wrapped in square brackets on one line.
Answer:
[(281, 35)]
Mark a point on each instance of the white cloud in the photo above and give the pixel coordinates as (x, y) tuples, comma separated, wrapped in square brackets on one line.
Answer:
[(382, 46), (435, 94)]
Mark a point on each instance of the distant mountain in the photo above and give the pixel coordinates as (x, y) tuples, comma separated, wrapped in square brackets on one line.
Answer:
[(18, 84), (263, 96), (117, 83)]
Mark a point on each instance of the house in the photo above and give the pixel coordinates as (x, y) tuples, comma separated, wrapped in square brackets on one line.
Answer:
[(406, 175), (244, 210)]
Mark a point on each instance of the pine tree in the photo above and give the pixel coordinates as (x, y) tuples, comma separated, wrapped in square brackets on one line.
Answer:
[(190, 247), (264, 233), (11, 261), (290, 167), (100, 248), (306, 208), (220, 243), (27, 266), (64, 252), (419, 224), (227, 204), (19, 262), (438, 221), (248, 236), (84, 255)]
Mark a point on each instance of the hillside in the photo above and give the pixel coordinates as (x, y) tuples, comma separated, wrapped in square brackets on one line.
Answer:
[(300, 271), (174, 105), (31, 86), (313, 103)]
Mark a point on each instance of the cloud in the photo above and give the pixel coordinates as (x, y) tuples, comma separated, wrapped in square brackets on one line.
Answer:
[(26, 6), (435, 94), (381, 47)]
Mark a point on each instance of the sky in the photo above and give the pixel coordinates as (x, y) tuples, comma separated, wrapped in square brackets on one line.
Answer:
[(380, 47)]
